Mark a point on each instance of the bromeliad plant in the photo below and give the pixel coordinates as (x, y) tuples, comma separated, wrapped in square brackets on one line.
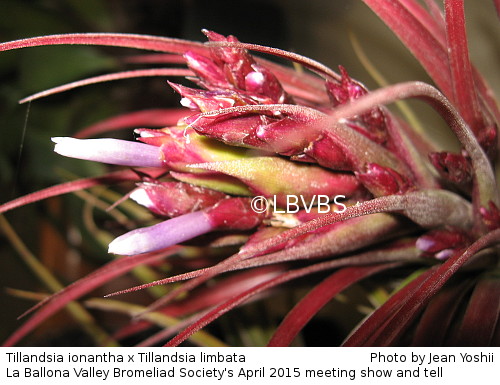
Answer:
[(252, 128)]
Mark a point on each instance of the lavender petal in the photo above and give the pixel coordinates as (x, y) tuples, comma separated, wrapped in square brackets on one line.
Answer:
[(161, 235), (112, 151)]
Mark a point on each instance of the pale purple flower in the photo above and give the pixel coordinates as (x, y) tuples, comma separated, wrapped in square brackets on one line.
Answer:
[(111, 151), (162, 235)]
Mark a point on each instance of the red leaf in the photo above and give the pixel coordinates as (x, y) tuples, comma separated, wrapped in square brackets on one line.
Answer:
[(208, 296), (159, 117), (109, 77), (425, 37), (435, 322), (155, 58), (80, 184), (482, 314), (419, 40), (303, 60), (497, 6), (464, 89), (371, 326), (318, 297), (243, 297), (390, 332), (432, 20), (146, 42)]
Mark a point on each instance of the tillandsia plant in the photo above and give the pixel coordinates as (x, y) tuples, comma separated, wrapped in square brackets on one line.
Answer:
[(271, 174)]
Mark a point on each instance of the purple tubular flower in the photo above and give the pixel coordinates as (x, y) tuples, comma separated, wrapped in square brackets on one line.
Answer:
[(111, 151), (228, 214), (162, 235)]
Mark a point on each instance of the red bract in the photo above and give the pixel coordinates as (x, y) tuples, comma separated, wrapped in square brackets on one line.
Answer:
[(442, 244), (171, 199), (371, 123), (455, 168), (288, 174), (383, 180)]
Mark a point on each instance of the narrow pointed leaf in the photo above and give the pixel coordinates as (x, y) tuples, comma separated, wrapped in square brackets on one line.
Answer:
[(442, 308), (145, 42), (481, 317), (110, 77), (370, 327), (464, 88), (414, 303), (318, 297), (201, 338), (245, 296), (420, 41), (145, 118), (80, 184)]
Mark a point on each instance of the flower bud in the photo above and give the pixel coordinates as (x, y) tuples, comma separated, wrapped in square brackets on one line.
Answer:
[(490, 216), (372, 123), (455, 168), (204, 101), (442, 244), (171, 199), (381, 181)]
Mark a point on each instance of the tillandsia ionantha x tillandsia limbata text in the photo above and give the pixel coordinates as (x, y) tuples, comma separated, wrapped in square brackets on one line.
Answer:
[(253, 128)]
